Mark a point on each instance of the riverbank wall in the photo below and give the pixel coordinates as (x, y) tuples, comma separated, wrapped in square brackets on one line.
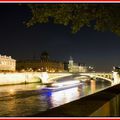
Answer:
[(29, 77)]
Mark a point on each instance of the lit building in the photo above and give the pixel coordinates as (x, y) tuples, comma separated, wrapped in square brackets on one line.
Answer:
[(40, 65), (7, 63), (74, 67), (43, 64)]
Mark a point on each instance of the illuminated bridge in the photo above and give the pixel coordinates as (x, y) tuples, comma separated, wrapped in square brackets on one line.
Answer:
[(105, 76), (29, 77), (112, 77)]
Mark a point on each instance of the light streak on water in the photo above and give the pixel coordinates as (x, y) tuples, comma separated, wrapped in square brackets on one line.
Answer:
[(30, 99)]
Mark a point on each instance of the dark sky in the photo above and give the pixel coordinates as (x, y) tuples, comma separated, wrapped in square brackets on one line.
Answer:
[(100, 49)]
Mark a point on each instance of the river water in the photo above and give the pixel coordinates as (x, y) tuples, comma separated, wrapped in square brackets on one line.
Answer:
[(30, 99)]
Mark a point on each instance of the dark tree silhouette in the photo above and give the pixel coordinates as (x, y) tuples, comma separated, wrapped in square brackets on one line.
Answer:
[(106, 17)]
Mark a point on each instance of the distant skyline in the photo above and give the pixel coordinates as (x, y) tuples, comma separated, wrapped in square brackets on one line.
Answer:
[(99, 49)]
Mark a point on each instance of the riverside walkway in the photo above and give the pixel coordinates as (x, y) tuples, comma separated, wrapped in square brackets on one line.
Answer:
[(86, 106)]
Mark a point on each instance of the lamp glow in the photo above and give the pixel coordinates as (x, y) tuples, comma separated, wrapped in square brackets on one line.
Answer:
[(11, 91)]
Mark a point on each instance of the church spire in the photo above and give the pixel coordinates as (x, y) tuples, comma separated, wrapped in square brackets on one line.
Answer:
[(71, 58)]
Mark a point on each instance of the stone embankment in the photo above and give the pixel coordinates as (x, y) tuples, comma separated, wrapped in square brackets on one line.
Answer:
[(29, 77)]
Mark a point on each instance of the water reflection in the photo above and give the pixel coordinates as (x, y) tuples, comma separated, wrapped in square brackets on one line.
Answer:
[(12, 91), (29, 99), (93, 86), (65, 96)]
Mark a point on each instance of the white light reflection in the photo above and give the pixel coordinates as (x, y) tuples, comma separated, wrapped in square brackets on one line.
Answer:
[(65, 96), (12, 91), (66, 83)]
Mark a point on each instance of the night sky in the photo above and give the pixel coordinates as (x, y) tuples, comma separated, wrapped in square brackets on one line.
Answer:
[(100, 49)]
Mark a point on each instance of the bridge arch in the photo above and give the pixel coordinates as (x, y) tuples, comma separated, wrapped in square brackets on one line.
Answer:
[(37, 79), (105, 76)]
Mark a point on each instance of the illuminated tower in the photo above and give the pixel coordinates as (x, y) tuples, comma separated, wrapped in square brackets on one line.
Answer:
[(70, 65)]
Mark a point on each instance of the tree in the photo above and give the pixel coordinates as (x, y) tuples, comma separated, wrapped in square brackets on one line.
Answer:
[(104, 16)]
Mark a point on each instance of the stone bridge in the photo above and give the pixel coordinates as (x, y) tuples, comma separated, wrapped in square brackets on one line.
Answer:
[(112, 77), (44, 77)]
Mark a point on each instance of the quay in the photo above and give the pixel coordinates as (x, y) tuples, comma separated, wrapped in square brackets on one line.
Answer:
[(85, 106), (14, 78)]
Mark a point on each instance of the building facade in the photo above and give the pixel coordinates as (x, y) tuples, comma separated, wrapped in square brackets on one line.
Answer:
[(40, 65), (7, 63), (74, 67)]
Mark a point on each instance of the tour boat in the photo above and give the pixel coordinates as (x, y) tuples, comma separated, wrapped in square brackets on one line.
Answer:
[(63, 85)]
